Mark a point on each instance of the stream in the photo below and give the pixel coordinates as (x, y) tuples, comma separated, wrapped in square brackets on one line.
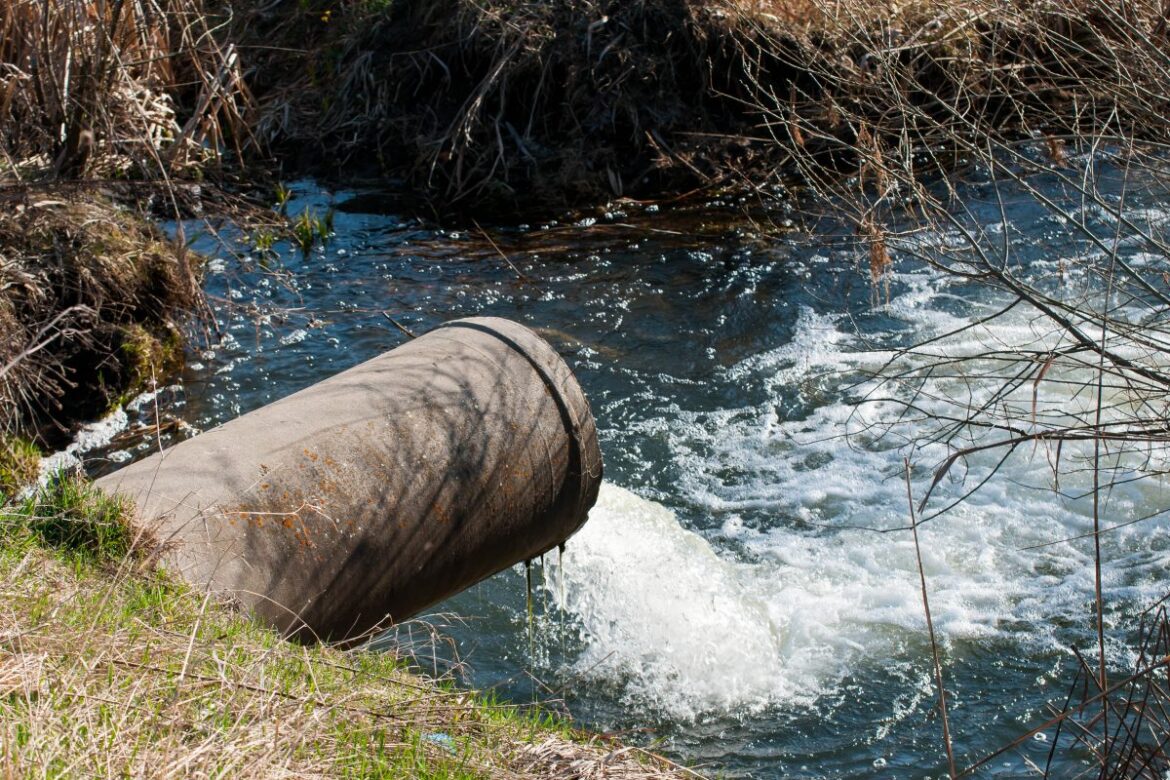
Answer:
[(741, 599)]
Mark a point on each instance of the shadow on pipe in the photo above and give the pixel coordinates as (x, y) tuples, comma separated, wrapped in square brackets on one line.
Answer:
[(382, 490)]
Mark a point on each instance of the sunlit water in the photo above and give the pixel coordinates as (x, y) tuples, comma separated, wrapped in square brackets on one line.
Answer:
[(737, 598)]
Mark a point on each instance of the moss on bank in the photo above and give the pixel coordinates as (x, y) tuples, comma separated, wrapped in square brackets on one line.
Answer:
[(109, 668)]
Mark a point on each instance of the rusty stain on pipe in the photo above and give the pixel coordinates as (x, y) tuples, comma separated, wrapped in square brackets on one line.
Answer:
[(378, 492)]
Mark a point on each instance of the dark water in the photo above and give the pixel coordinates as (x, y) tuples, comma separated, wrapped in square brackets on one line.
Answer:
[(726, 603)]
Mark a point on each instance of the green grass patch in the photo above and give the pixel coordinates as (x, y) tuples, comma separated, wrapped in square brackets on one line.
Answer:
[(19, 465), (72, 518), (310, 229)]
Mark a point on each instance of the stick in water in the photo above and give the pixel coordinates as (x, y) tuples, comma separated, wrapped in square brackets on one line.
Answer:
[(938, 677)]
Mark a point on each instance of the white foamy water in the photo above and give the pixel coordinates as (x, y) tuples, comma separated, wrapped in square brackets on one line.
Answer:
[(806, 573), (89, 437)]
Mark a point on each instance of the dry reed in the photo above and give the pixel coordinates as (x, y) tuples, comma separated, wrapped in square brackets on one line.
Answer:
[(523, 104), (125, 88)]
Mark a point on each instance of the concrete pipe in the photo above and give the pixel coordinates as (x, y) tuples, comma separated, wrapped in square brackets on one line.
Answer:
[(382, 490)]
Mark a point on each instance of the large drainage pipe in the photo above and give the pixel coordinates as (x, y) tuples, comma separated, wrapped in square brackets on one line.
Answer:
[(382, 490)]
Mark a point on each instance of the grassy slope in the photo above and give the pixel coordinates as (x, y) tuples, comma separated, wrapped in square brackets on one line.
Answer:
[(109, 668)]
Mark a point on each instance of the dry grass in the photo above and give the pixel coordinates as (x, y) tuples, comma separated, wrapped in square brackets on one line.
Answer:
[(127, 88), (520, 104), (94, 91), (107, 670)]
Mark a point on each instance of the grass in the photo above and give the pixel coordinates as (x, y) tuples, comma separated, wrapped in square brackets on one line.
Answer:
[(19, 465), (76, 521), (310, 229), (111, 668), (545, 104)]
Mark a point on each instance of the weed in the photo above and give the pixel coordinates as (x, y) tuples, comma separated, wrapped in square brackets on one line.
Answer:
[(19, 465), (75, 519), (89, 297), (263, 241), (283, 196), (309, 229), (544, 104), (91, 88)]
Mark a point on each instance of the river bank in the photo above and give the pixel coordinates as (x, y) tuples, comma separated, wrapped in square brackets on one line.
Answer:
[(110, 668), (90, 303), (521, 106)]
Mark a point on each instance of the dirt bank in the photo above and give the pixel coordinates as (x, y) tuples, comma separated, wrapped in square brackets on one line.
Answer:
[(90, 295), (515, 105), (102, 105)]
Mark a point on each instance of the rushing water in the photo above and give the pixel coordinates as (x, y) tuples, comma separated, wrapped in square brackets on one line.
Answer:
[(733, 599)]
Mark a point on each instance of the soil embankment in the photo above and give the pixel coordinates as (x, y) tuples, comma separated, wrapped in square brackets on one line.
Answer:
[(89, 299), (103, 107)]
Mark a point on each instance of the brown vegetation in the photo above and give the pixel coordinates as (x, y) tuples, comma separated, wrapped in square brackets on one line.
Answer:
[(139, 89), (88, 293), (111, 92), (511, 104), (514, 104)]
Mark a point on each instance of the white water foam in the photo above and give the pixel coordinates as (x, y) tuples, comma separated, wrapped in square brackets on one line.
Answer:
[(798, 588), (89, 437)]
